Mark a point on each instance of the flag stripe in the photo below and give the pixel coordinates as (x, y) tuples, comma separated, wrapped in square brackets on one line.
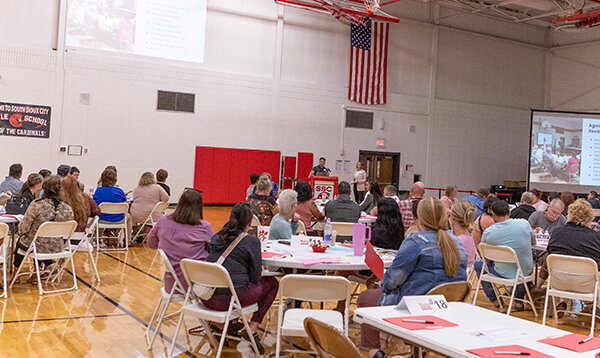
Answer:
[(368, 63)]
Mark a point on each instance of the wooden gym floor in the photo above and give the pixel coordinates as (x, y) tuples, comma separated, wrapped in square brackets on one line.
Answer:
[(109, 318)]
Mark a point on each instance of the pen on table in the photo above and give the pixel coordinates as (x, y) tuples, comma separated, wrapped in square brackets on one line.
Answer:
[(513, 353), (417, 321), (585, 340)]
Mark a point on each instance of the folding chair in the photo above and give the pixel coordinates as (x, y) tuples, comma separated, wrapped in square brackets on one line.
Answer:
[(160, 207), (85, 243), (503, 254), (343, 229), (113, 208), (571, 277), (50, 229), (4, 229), (177, 294), (313, 289), (327, 341), (452, 291), (211, 275), (301, 228), (255, 222)]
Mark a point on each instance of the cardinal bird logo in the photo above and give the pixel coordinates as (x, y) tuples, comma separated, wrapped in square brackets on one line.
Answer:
[(16, 119)]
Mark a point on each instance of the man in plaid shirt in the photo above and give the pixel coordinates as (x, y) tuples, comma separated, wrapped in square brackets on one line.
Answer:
[(416, 193)]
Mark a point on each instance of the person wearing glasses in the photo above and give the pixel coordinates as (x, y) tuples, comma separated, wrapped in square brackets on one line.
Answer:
[(550, 219)]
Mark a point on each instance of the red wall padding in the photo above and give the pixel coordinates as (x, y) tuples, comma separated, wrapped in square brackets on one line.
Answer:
[(305, 165), (223, 174), (289, 171)]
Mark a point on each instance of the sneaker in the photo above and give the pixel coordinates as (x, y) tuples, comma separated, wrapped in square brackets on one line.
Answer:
[(256, 338)]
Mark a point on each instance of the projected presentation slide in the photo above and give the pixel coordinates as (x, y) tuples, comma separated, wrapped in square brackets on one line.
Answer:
[(565, 151), (173, 29)]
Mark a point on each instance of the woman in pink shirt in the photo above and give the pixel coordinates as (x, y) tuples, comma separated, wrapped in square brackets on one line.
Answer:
[(449, 198), (484, 220), (461, 217), (145, 196), (182, 235)]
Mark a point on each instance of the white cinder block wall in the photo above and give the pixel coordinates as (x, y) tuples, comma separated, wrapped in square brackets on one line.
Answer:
[(280, 83)]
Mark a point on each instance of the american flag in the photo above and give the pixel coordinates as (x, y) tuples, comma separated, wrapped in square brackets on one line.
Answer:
[(368, 62)]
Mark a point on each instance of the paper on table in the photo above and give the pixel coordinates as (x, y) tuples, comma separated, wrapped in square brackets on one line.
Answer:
[(414, 326), (499, 333), (347, 245), (374, 262), (489, 352), (571, 342), (268, 255), (318, 260)]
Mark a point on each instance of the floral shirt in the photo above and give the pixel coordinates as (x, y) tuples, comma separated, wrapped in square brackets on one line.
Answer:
[(262, 206)]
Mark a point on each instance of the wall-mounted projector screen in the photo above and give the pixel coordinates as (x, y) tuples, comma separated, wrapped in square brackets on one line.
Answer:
[(565, 151), (173, 29)]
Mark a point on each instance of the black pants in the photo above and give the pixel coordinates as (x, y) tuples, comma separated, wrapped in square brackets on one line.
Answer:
[(359, 196)]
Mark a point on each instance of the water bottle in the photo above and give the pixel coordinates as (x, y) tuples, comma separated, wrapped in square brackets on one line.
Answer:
[(327, 232)]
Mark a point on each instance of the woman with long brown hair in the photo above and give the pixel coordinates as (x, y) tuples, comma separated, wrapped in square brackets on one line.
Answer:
[(425, 259), (84, 207)]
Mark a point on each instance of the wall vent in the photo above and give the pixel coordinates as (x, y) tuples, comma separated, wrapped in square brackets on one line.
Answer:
[(175, 101), (359, 119)]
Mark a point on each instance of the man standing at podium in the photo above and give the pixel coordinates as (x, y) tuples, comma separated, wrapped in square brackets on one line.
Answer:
[(320, 169)]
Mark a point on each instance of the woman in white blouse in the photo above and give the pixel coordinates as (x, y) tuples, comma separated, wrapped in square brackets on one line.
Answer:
[(360, 178)]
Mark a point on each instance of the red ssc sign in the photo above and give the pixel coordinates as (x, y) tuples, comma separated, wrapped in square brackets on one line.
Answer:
[(323, 191)]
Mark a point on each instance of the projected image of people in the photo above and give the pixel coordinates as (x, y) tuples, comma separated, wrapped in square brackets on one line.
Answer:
[(102, 24), (555, 150)]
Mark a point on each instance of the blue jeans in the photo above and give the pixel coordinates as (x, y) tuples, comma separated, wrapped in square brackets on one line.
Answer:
[(487, 287)]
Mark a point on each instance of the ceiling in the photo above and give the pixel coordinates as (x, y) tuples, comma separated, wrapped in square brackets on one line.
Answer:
[(535, 12)]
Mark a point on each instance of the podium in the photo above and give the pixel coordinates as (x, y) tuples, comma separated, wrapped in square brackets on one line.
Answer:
[(323, 187)]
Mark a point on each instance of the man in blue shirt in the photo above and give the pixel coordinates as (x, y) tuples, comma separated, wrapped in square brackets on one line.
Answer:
[(12, 184), (516, 234), (320, 169), (478, 199)]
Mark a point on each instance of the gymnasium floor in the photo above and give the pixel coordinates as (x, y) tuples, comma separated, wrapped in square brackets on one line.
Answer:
[(108, 318)]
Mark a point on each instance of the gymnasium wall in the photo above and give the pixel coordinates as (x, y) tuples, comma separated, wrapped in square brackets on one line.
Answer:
[(276, 79)]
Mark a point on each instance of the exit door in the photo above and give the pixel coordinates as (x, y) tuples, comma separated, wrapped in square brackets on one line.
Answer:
[(383, 167)]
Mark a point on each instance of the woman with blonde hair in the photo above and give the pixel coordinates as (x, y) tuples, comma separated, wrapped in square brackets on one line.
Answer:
[(425, 259), (145, 196), (83, 206), (461, 218), (449, 198)]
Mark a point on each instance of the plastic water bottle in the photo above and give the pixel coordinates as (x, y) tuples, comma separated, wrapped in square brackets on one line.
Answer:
[(327, 232)]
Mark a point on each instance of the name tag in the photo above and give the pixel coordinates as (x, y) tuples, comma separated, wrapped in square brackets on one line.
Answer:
[(417, 305)]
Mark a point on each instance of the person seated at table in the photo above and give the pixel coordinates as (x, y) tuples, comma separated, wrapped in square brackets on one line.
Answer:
[(516, 234), (389, 191), (274, 193), (371, 197), (12, 183), (424, 260), (107, 192), (478, 199), (145, 196), (525, 209), (83, 206), (550, 219), (567, 198), (49, 207), (342, 208), (538, 203), (449, 198), (592, 198), (182, 235), (244, 265), (45, 173), (112, 167), (484, 221), (416, 227), (161, 179), (263, 205), (32, 187), (253, 179), (461, 218), (388, 230), (416, 193), (575, 238), (307, 208), (285, 223)]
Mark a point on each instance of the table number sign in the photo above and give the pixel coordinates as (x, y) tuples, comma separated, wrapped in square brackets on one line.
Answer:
[(423, 304)]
